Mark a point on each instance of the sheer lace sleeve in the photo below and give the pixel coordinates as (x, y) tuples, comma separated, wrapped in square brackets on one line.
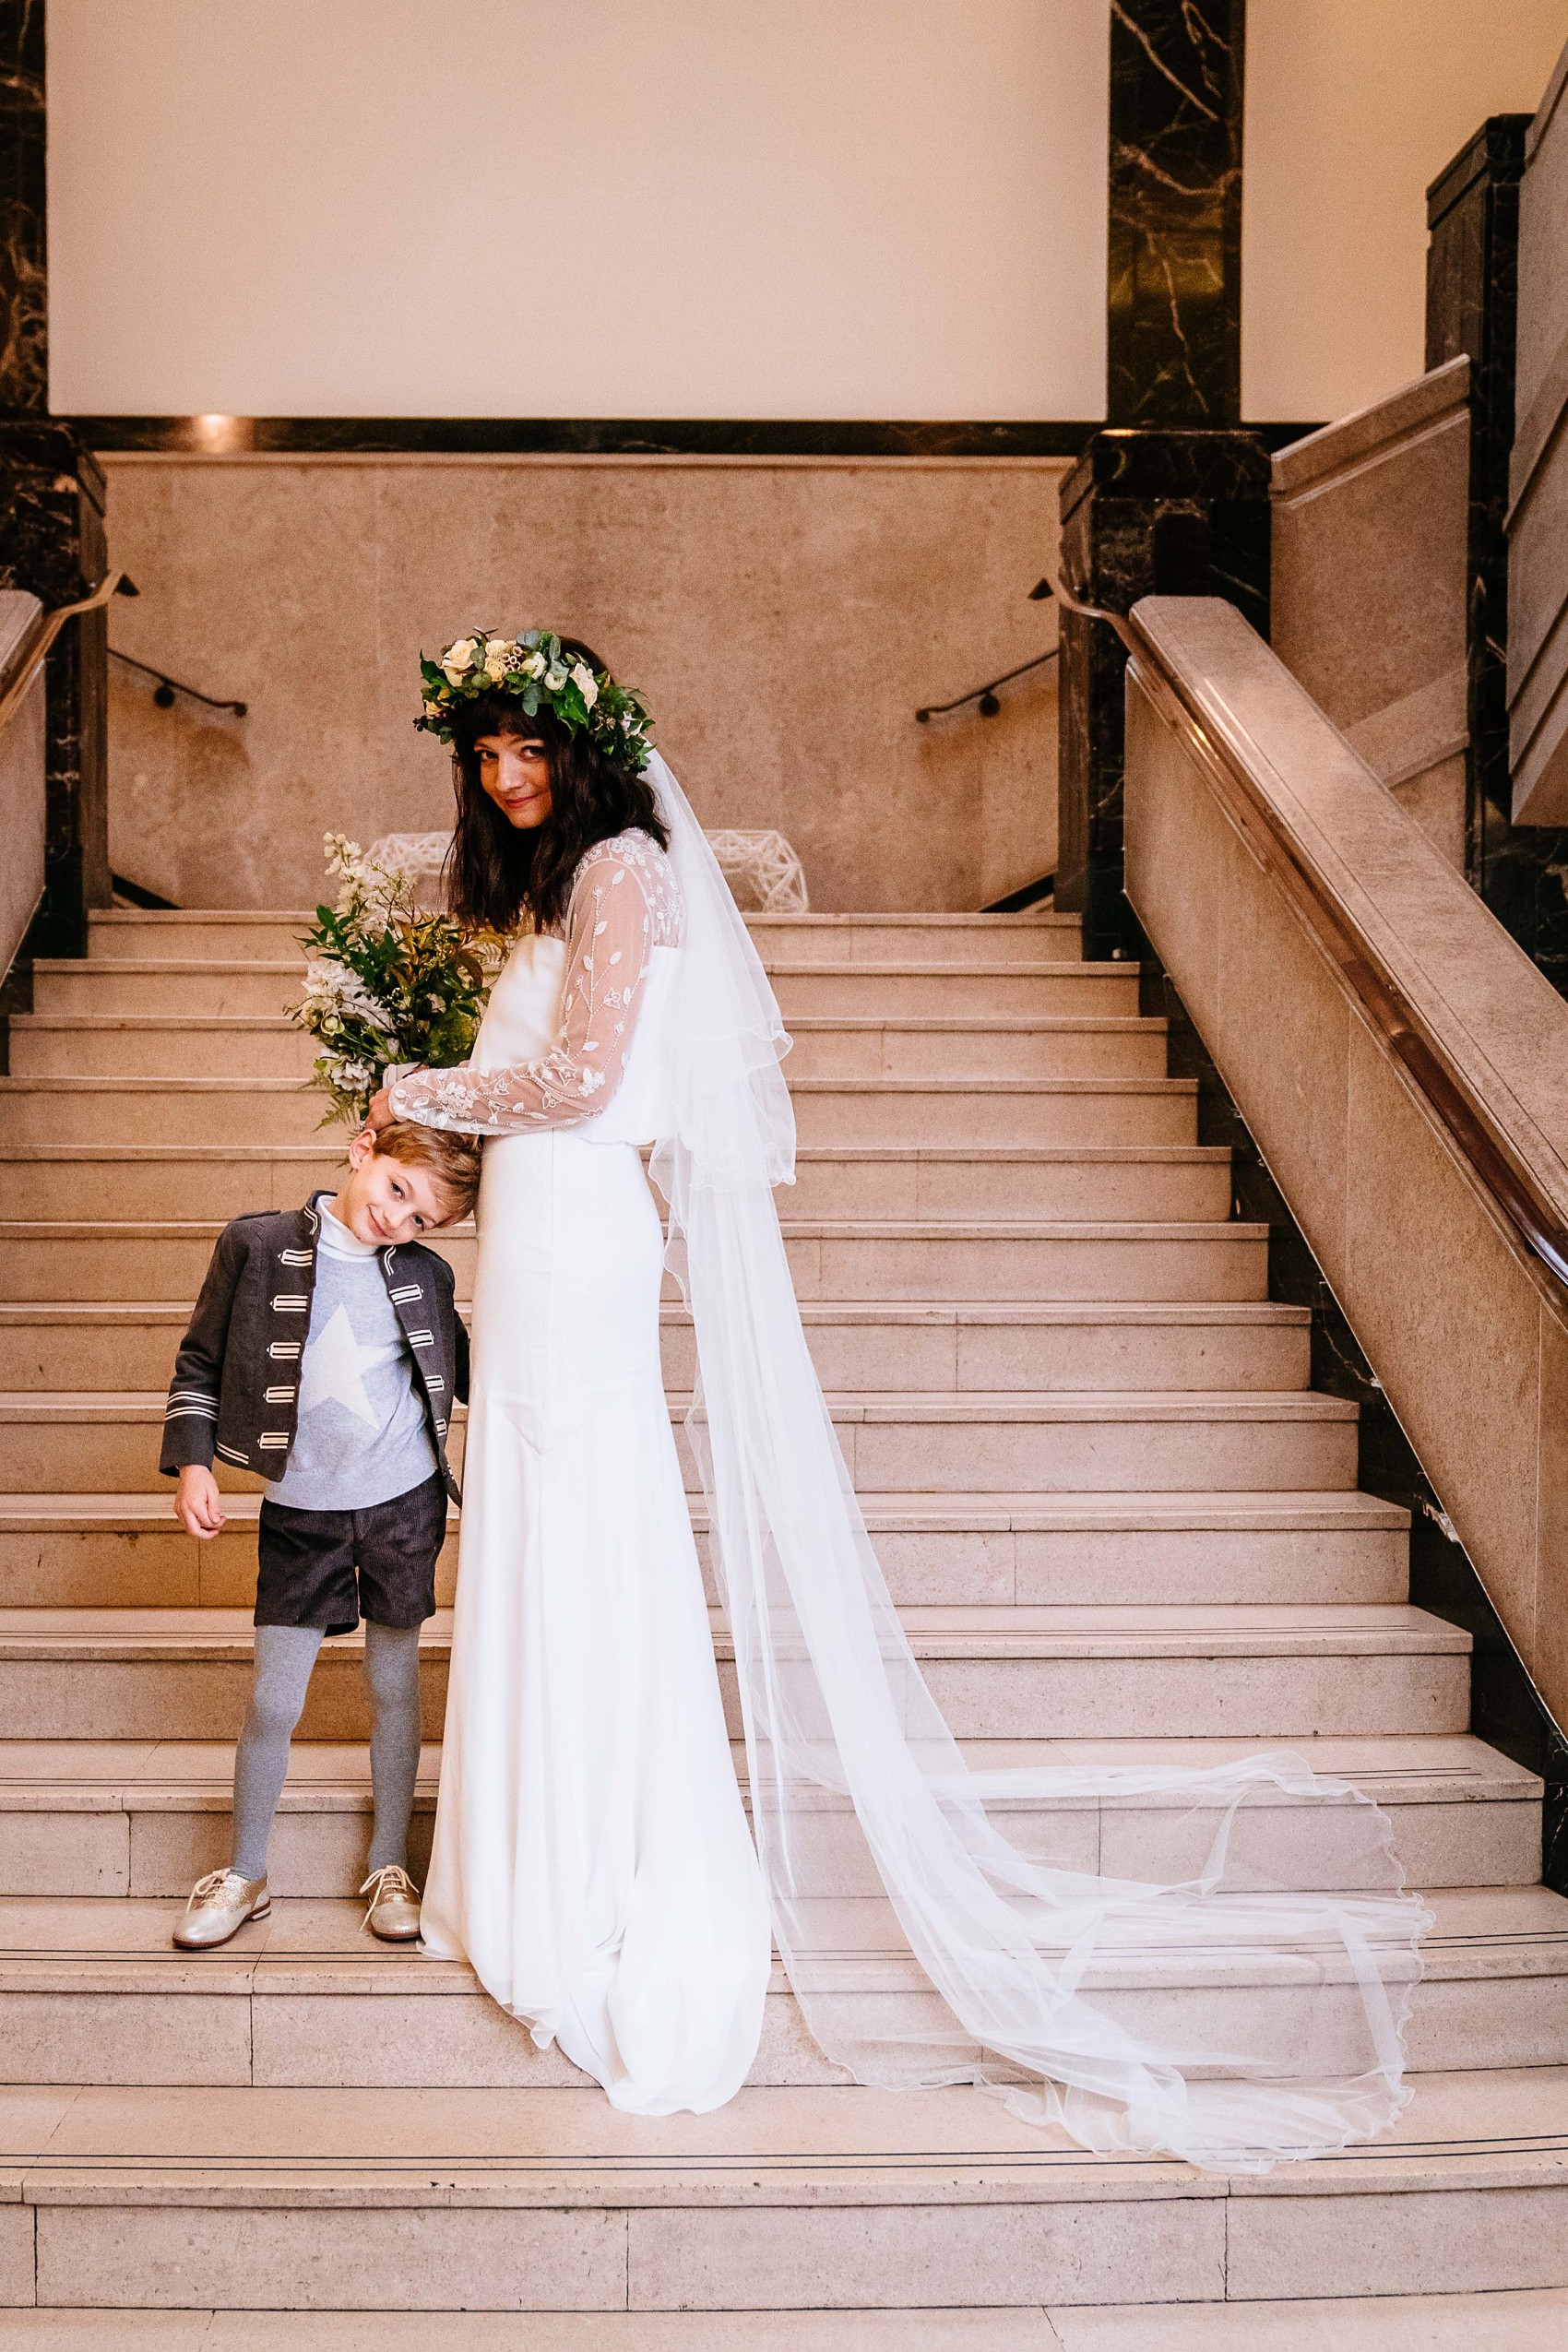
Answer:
[(625, 902)]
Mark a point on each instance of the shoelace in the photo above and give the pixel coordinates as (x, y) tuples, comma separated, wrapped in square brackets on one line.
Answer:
[(213, 1883), (390, 1878)]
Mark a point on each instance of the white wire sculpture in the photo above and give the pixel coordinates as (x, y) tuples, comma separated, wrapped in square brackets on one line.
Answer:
[(764, 865), (760, 867)]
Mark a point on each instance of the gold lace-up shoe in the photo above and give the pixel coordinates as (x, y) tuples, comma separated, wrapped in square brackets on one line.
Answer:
[(394, 1913), (221, 1903)]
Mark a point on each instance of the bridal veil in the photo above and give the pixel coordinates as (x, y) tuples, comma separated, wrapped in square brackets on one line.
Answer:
[(1238, 1995)]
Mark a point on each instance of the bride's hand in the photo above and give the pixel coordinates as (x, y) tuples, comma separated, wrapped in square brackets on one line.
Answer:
[(380, 1114)]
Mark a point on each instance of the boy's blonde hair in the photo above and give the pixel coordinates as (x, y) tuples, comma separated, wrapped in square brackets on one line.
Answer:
[(452, 1162)]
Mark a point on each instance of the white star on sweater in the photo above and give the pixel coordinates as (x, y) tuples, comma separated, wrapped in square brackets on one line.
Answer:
[(334, 1368)]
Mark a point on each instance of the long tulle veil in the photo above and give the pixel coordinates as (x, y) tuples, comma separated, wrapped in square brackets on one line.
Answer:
[(1218, 1964)]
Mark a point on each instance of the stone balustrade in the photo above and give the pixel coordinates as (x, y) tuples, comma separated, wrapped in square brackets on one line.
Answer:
[(1467, 1331)]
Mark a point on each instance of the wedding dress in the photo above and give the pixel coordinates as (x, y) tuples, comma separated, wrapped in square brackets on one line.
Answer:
[(1236, 1993), (591, 1857)]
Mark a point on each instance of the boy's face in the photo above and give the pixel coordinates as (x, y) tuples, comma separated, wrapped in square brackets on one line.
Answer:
[(383, 1199)]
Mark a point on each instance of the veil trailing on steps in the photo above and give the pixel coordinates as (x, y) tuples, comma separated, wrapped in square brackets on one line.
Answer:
[(1218, 1964)]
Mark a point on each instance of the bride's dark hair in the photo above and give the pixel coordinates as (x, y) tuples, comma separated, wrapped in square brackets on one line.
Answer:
[(497, 872)]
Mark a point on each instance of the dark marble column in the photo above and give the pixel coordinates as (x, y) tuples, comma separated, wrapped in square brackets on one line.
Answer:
[(52, 541), (24, 381), (52, 502), (1143, 514), (1473, 224), (1174, 292), (1172, 499)]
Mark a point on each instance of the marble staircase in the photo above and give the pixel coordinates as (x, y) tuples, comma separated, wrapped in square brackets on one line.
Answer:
[(1119, 1522)]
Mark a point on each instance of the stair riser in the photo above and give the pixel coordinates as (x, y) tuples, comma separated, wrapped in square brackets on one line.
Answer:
[(111, 1453), (941, 995), (979, 1053), (1174, 2247), (1077, 1357), (166, 1569), (1200, 1264), (987, 1698), (101, 989), (172, 1189), (1080, 1191), (1159, 1112), (1075, 1190), (161, 1852), (387, 2040), (214, 990), (274, 937), (172, 1052), (40, 1051)]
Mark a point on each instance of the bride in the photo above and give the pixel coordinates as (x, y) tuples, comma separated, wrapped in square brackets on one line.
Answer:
[(592, 1858)]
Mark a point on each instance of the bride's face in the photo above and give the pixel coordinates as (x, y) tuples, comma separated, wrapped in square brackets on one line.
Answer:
[(515, 771)]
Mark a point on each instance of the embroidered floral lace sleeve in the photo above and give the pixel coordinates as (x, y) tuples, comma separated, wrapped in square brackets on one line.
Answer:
[(624, 903)]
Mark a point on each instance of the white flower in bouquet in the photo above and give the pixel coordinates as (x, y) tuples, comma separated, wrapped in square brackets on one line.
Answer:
[(385, 982)]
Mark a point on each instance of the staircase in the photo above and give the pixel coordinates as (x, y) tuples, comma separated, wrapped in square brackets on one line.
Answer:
[(1118, 1522)]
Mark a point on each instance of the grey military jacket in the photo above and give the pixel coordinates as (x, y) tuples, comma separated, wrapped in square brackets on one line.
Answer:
[(236, 1385)]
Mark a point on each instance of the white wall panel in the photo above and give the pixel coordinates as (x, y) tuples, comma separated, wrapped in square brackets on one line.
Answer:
[(698, 208), (1353, 107)]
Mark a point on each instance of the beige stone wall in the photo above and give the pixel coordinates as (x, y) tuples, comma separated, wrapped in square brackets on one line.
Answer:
[(1466, 1330), (1369, 560), (785, 617)]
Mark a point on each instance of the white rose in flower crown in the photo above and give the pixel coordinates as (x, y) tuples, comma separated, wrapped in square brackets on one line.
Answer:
[(458, 659), (586, 683), (534, 666), (495, 658), (554, 680)]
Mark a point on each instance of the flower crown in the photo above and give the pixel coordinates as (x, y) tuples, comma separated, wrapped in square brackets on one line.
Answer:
[(532, 669)]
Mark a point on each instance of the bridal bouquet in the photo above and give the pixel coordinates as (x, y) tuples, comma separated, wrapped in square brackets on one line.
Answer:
[(386, 983)]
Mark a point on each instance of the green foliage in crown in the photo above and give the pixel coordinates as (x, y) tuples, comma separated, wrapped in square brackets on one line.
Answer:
[(534, 670)]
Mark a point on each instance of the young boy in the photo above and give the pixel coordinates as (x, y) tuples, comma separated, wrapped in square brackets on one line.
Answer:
[(324, 1351)]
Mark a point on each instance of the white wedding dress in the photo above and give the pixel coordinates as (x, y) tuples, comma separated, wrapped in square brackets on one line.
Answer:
[(1237, 1997), (591, 1856)]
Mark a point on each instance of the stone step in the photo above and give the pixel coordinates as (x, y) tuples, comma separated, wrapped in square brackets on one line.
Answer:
[(179, 1045), (1077, 1344), (788, 2200), (222, 935), (878, 1114), (126, 1550), (1523, 2322), (117, 1818), (862, 1259), (171, 984), (1123, 1183), (965, 1442), (1244, 1674), (92, 1992)]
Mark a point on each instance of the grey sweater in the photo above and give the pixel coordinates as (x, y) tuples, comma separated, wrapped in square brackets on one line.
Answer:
[(361, 1436)]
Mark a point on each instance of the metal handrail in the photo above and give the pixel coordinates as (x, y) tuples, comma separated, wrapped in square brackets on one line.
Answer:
[(167, 687), (44, 631), (1518, 1199), (986, 696)]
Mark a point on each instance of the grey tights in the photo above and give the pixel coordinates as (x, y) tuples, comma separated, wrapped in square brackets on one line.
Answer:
[(284, 1657)]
